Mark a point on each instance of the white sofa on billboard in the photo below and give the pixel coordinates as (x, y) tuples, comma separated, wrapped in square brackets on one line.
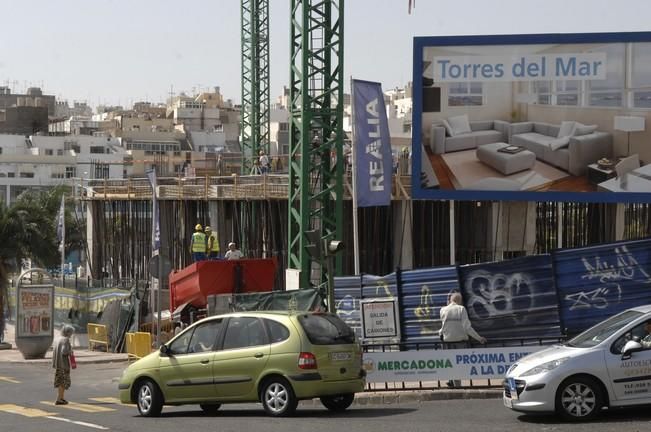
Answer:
[(458, 133), (570, 146)]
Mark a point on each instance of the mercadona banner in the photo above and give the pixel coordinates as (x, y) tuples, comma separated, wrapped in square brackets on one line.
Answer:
[(432, 365)]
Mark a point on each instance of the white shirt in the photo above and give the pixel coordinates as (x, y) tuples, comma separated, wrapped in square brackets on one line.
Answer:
[(456, 326), (233, 254)]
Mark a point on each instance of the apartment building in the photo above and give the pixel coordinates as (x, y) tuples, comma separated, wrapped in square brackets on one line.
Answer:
[(37, 162)]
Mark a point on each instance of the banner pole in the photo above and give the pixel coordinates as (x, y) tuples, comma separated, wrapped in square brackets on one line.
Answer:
[(354, 178), (63, 239)]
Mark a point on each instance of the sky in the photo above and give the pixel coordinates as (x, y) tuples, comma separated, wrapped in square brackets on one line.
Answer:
[(122, 51)]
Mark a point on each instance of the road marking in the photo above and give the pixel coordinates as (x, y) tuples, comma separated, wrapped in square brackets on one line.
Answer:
[(8, 379), (23, 411), (88, 408), (80, 423), (110, 400)]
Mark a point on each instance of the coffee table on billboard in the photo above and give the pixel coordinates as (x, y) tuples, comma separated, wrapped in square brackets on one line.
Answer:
[(506, 163)]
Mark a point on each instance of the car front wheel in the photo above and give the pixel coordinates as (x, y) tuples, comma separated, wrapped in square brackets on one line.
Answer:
[(278, 398), (579, 398), (338, 403), (150, 400)]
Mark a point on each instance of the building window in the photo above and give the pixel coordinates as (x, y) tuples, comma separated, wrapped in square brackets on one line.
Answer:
[(283, 127), (465, 94), (609, 92), (71, 172), (97, 149), (567, 92), (544, 91), (59, 152), (49, 152), (26, 175), (11, 174), (641, 75)]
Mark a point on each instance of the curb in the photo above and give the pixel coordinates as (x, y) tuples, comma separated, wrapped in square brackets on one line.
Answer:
[(416, 396)]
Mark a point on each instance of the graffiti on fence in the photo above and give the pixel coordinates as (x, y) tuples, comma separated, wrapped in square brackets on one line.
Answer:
[(425, 313), (626, 267), (491, 295), (623, 266)]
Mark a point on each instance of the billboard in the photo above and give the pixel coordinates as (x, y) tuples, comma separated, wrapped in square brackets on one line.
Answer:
[(549, 117)]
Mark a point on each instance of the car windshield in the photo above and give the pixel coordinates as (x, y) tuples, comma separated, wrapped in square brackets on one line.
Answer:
[(602, 331)]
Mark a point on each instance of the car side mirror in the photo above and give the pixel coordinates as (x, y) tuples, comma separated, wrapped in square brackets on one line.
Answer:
[(165, 350), (631, 347)]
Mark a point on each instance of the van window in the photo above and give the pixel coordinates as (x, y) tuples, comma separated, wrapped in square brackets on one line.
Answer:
[(244, 332), (326, 329), (277, 331), (205, 336)]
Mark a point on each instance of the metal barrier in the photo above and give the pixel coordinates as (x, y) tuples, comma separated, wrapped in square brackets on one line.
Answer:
[(97, 335), (437, 345), (138, 345)]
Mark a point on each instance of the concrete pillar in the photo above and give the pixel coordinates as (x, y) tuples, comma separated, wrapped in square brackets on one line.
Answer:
[(620, 221), (90, 244), (513, 228), (403, 241)]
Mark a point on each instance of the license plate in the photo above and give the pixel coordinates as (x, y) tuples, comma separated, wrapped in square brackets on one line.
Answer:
[(512, 388), (507, 402), (341, 356)]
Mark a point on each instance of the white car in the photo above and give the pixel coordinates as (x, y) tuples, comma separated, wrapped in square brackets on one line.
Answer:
[(605, 366)]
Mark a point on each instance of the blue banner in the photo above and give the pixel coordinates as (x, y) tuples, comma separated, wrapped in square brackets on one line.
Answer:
[(372, 145)]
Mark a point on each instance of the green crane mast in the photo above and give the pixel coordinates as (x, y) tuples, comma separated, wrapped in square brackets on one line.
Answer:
[(254, 128), (316, 136)]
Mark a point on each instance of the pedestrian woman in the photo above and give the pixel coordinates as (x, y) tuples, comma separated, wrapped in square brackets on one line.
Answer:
[(61, 363)]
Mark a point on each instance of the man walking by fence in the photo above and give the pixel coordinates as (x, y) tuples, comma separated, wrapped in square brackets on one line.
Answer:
[(456, 327)]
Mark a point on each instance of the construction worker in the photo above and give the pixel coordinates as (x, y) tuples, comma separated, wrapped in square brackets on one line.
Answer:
[(233, 253), (198, 244), (213, 244)]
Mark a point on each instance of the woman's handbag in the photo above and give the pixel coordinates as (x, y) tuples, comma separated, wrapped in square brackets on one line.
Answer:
[(73, 361)]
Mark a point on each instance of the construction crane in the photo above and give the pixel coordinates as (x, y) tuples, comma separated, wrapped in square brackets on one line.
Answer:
[(316, 115), (316, 137), (316, 97), (254, 128)]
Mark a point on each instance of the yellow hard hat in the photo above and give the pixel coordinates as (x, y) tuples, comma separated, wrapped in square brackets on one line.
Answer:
[(207, 229), (197, 227)]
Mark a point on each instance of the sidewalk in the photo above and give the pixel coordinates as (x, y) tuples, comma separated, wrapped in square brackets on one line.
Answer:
[(415, 395), (79, 344)]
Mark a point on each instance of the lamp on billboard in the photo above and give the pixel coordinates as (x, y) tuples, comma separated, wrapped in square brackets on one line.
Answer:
[(629, 124)]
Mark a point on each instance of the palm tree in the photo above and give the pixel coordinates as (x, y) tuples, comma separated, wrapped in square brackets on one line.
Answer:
[(27, 230)]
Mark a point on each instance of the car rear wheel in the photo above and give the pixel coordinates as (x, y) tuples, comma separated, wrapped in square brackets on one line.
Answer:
[(338, 403), (150, 400), (278, 398), (579, 398), (210, 408)]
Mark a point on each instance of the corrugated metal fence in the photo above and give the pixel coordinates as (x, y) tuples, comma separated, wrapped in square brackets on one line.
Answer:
[(539, 296)]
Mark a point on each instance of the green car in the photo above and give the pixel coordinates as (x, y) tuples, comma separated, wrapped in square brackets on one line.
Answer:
[(276, 358)]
